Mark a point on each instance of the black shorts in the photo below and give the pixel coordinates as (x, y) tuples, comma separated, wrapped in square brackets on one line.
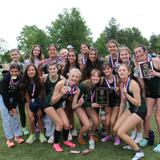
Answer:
[(141, 114)]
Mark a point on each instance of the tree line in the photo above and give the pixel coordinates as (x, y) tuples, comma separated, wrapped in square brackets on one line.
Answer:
[(71, 28)]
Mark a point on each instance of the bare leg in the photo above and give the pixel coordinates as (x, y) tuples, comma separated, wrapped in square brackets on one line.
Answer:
[(130, 122)]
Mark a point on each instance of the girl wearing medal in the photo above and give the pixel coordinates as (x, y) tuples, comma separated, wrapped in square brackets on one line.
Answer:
[(50, 80), (88, 90), (9, 106), (152, 89), (93, 62), (53, 56), (113, 56), (64, 90), (132, 115), (110, 81), (33, 89), (35, 57)]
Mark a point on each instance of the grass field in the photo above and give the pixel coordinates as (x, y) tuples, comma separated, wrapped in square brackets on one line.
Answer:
[(37, 151)]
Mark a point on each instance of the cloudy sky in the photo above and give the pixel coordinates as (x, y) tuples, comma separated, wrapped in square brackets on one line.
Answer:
[(14, 14)]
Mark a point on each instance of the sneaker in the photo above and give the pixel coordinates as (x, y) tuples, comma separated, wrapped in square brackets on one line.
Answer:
[(19, 140), (143, 142), (69, 144), (106, 138), (51, 139), (138, 155), (25, 131), (157, 149), (127, 147), (31, 139), (95, 138), (69, 136), (42, 138), (10, 143), (81, 141), (74, 132), (57, 147), (117, 141)]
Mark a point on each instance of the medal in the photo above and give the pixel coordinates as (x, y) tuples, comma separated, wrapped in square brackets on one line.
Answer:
[(32, 100)]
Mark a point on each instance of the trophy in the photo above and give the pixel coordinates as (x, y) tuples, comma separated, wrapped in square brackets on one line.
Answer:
[(102, 95)]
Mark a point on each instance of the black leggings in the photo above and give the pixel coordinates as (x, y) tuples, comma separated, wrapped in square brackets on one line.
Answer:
[(21, 106)]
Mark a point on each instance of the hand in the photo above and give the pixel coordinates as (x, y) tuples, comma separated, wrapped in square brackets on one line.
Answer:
[(153, 73), (124, 91), (64, 90), (81, 100), (13, 112), (95, 105)]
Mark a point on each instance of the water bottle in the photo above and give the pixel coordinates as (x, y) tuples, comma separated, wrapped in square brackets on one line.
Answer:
[(91, 143), (151, 137)]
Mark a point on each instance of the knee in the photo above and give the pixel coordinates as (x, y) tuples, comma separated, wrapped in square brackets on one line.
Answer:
[(59, 125), (66, 126), (120, 132), (87, 125)]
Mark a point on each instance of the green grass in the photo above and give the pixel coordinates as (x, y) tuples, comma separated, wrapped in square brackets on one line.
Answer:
[(38, 151)]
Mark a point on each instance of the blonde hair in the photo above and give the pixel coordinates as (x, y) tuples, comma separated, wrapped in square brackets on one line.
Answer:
[(124, 49), (75, 70)]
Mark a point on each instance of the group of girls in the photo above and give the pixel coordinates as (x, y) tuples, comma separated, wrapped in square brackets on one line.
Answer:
[(66, 84)]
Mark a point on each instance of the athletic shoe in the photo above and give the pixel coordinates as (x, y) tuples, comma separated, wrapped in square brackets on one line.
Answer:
[(81, 141), (74, 132), (19, 140), (69, 144), (95, 138), (127, 147), (42, 138), (10, 143), (157, 149), (70, 136), (106, 138), (143, 142), (57, 147), (51, 139), (117, 141), (138, 155), (31, 139), (25, 131)]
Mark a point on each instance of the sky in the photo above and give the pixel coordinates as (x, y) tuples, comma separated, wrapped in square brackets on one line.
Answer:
[(15, 14)]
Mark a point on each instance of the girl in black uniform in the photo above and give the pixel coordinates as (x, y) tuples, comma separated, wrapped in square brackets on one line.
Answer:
[(50, 80), (132, 115), (152, 88), (63, 90), (110, 81)]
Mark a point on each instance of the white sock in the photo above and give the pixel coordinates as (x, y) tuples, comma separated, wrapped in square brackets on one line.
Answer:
[(138, 137), (133, 134)]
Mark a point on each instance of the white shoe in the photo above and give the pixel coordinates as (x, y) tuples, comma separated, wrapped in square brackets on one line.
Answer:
[(69, 136), (51, 139), (138, 139), (74, 132), (138, 156), (127, 147)]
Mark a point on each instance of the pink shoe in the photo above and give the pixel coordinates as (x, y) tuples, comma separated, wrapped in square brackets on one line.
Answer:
[(69, 144), (57, 147), (106, 138), (117, 141)]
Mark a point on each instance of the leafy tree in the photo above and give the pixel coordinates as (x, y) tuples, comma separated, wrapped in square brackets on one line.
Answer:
[(3, 50), (155, 43), (31, 35), (69, 28), (129, 37)]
